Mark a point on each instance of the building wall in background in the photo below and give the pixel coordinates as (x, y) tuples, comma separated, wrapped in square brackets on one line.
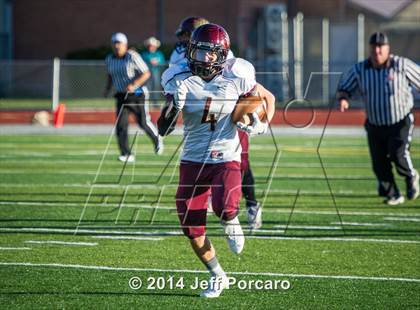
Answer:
[(43, 29), (49, 28)]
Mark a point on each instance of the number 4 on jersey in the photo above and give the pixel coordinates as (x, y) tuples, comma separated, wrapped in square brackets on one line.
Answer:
[(209, 118)]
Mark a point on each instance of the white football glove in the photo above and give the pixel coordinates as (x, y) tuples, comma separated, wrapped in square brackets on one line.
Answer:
[(257, 127)]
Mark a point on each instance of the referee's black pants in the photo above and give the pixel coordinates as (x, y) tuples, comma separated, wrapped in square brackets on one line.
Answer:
[(138, 106), (387, 145)]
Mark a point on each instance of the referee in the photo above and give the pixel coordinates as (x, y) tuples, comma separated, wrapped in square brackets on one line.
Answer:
[(385, 81), (128, 72)]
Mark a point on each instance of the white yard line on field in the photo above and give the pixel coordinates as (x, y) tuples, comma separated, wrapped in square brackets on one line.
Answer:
[(341, 212), (309, 227), (89, 231), (75, 172), (267, 274), (13, 249), (128, 238), (278, 231), (61, 242), (179, 233), (159, 163), (344, 239), (139, 173), (79, 204), (362, 224), (107, 185), (266, 210), (159, 186), (402, 219)]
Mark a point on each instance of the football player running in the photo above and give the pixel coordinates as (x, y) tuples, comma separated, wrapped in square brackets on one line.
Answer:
[(178, 57), (206, 91)]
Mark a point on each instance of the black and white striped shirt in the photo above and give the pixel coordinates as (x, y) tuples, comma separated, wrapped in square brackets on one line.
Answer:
[(126, 69), (386, 91)]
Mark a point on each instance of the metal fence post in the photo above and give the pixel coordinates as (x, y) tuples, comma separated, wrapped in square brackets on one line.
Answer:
[(56, 83), (298, 53), (360, 37), (285, 54), (325, 59)]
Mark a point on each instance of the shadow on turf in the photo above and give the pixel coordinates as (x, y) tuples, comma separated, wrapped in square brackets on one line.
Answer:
[(169, 224), (101, 293), (292, 233)]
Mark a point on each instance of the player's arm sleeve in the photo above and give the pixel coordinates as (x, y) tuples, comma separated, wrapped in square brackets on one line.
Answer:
[(171, 81), (269, 98), (165, 79), (174, 103), (347, 85), (412, 71), (168, 117)]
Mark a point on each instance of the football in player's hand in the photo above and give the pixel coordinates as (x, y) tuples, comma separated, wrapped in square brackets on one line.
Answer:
[(246, 106)]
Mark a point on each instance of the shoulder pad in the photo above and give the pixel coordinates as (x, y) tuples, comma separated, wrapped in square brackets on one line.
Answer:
[(242, 73), (230, 55), (177, 56), (172, 73), (239, 68)]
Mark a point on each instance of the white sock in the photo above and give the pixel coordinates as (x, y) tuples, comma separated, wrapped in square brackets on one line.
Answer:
[(234, 221), (214, 267)]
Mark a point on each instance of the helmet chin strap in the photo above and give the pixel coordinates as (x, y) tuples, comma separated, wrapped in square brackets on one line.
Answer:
[(206, 72), (210, 75)]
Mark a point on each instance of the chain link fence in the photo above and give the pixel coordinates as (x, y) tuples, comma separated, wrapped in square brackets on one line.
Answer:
[(25, 84), (295, 58)]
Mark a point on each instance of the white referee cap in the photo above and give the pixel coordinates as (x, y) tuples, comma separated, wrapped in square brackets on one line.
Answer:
[(119, 37)]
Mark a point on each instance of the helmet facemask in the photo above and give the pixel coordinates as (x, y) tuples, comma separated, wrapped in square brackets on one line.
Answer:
[(201, 63)]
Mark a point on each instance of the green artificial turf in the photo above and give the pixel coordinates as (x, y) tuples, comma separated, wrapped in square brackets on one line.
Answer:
[(325, 230)]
